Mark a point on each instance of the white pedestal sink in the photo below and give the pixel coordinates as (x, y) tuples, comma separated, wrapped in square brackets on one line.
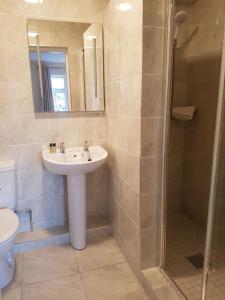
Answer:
[(73, 165)]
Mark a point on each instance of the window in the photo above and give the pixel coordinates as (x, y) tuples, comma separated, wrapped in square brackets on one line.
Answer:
[(59, 92)]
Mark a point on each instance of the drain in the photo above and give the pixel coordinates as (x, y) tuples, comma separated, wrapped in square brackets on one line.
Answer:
[(196, 260)]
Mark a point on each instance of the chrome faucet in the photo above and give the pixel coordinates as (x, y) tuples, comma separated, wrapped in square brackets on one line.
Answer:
[(62, 147), (86, 153), (86, 146)]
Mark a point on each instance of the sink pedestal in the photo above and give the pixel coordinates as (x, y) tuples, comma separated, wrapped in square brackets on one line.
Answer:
[(77, 210), (73, 165)]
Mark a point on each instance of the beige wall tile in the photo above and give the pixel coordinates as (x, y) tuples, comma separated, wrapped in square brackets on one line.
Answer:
[(130, 233), (154, 13), (114, 216), (129, 200), (130, 53), (113, 97), (128, 136), (130, 20), (153, 50), (152, 96), (11, 39), (150, 206), (150, 174), (15, 66), (97, 7), (150, 247), (130, 92), (16, 109), (134, 88), (16, 97), (20, 133), (151, 136)]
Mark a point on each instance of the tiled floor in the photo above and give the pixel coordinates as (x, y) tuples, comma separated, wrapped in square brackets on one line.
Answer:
[(185, 238), (100, 272), (216, 278)]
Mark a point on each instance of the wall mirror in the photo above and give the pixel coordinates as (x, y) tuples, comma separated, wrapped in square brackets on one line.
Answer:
[(66, 62)]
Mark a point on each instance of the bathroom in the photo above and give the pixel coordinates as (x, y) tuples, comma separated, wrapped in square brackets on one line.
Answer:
[(111, 149)]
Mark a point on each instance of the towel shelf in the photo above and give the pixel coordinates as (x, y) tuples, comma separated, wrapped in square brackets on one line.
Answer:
[(183, 113)]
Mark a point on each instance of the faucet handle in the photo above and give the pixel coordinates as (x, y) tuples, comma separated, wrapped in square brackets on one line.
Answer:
[(86, 146), (62, 147)]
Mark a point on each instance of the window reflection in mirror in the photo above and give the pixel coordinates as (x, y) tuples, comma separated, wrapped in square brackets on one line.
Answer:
[(55, 94), (66, 61)]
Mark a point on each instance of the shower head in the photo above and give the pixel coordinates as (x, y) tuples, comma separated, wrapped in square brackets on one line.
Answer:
[(179, 18)]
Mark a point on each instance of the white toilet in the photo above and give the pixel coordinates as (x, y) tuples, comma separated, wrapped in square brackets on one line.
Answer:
[(9, 221)]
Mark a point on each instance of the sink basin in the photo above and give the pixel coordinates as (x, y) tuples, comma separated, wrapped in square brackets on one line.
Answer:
[(75, 167), (72, 162)]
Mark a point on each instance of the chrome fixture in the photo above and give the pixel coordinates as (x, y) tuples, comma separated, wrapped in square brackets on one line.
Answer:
[(215, 193), (62, 147), (27, 211), (86, 146), (86, 152), (179, 18)]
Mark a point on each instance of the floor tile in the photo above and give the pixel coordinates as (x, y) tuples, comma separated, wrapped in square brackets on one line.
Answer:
[(11, 294), (98, 254), (67, 288), (184, 239), (48, 263), (112, 283)]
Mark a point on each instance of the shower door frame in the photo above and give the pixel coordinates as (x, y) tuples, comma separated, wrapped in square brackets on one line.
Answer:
[(216, 148)]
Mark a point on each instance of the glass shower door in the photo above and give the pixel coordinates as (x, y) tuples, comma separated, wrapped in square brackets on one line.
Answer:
[(215, 288)]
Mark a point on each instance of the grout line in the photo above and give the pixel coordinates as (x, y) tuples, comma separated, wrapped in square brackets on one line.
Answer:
[(66, 276), (77, 264), (105, 266), (83, 284), (47, 280)]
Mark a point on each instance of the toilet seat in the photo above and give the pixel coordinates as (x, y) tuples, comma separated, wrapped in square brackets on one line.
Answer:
[(9, 223)]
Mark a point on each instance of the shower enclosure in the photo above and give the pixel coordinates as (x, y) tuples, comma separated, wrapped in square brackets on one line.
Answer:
[(193, 231)]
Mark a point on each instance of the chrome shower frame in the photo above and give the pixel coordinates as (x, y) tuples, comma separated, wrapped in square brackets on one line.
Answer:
[(217, 139)]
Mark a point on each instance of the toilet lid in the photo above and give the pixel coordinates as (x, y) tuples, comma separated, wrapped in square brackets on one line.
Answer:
[(9, 224)]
